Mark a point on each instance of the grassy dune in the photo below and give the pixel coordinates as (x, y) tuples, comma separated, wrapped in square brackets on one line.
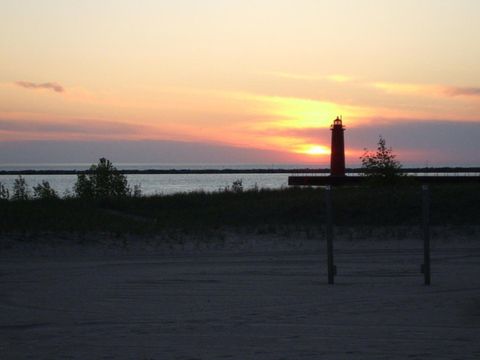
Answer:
[(264, 209)]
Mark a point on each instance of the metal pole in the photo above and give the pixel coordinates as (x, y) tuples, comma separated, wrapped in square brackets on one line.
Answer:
[(426, 233), (329, 234)]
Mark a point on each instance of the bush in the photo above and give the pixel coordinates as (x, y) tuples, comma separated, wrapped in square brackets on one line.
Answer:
[(382, 164), (44, 191), (20, 189), (137, 190), (4, 193), (102, 181), (236, 187)]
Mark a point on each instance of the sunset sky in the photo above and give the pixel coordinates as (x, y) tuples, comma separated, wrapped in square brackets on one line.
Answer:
[(227, 81)]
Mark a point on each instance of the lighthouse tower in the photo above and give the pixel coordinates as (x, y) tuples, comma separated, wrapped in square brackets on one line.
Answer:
[(337, 157)]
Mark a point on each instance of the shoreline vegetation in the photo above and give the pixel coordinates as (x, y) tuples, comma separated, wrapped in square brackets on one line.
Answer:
[(209, 216), (432, 170), (102, 202)]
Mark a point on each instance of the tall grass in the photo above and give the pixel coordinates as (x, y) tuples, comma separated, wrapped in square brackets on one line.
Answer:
[(198, 211)]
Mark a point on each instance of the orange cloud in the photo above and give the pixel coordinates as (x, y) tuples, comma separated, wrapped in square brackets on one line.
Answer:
[(313, 150), (406, 88), (426, 89), (339, 78)]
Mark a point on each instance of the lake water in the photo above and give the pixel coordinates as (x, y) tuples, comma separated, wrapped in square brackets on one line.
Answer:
[(152, 184), (164, 183)]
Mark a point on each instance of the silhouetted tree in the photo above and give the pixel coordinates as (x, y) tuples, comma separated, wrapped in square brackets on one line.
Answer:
[(44, 191), (20, 189), (381, 164), (102, 181)]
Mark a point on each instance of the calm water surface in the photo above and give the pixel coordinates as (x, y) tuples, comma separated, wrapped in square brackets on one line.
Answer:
[(163, 183), (159, 183)]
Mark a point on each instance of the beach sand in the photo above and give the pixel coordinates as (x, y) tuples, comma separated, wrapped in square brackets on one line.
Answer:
[(248, 297)]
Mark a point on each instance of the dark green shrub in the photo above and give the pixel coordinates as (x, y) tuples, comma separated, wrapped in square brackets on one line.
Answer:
[(44, 191), (20, 189), (4, 193), (102, 181), (381, 166)]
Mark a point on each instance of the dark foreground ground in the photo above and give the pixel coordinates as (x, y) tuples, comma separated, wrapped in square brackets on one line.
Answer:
[(251, 298)]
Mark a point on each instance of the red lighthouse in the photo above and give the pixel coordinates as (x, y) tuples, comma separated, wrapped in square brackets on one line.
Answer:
[(337, 157)]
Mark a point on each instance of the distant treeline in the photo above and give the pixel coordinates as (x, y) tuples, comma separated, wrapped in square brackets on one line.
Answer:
[(238, 171)]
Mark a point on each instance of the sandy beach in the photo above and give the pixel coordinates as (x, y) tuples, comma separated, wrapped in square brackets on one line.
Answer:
[(247, 298)]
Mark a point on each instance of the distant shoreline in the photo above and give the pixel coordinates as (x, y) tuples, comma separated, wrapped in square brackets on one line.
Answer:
[(238, 171)]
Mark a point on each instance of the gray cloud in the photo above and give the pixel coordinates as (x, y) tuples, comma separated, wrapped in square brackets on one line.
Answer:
[(463, 91), (408, 132), (48, 85), (80, 127), (438, 142), (416, 141), (155, 152)]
